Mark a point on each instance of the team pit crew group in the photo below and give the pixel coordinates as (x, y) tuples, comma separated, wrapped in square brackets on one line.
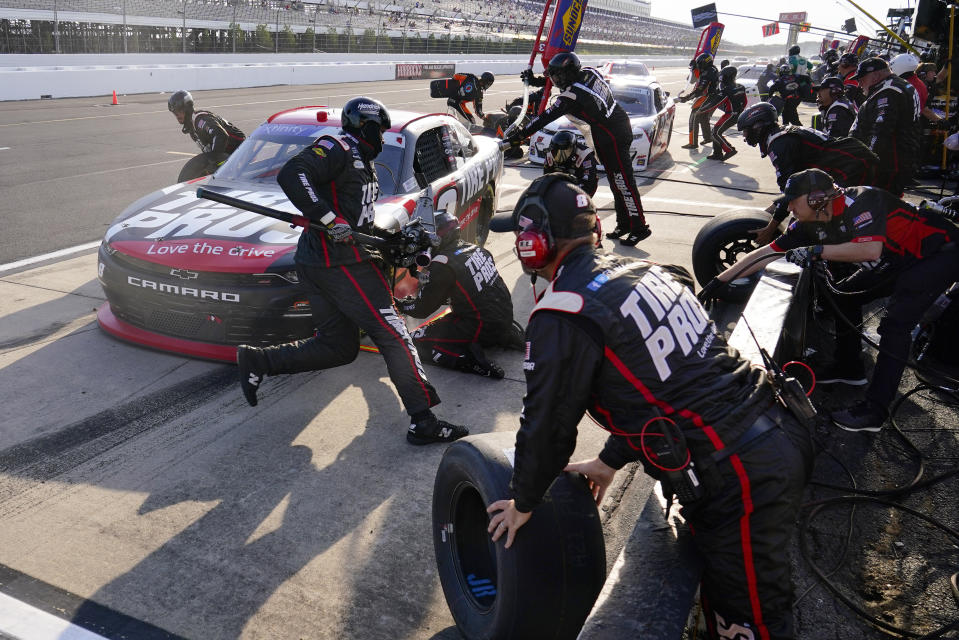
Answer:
[(622, 339)]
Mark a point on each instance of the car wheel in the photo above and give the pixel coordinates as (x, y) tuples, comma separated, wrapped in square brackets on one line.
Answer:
[(544, 586), (721, 242), (196, 167)]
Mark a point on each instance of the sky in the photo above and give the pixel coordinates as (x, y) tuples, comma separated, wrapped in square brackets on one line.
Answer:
[(829, 14)]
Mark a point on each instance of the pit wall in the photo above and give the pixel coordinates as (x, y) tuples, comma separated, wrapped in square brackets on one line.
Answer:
[(30, 77)]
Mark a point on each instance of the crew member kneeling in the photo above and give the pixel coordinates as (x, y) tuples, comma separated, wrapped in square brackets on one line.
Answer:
[(626, 341), (905, 253), (568, 155), (481, 310)]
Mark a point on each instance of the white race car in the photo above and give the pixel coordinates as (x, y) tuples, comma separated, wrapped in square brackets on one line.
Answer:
[(651, 114)]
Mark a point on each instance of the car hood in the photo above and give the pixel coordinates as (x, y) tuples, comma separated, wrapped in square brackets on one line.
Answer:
[(174, 227)]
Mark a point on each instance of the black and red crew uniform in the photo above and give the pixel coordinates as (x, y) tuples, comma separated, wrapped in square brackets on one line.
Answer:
[(787, 85), (732, 102), (838, 118), (792, 149), (588, 101), (705, 96), (846, 68), (333, 183), (464, 276), (919, 261), (626, 342), (888, 123)]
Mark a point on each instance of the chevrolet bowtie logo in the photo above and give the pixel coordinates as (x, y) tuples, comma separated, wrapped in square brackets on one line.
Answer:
[(184, 274)]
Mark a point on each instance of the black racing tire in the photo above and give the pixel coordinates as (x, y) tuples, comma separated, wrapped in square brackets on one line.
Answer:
[(721, 242), (545, 585), (483, 217), (196, 167)]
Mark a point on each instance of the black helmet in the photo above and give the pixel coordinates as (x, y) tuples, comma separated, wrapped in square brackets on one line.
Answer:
[(561, 146), (180, 101), (785, 70), (366, 118), (486, 80), (703, 60), (849, 60), (794, 50), (563, 69), (727, 74), (447, 227), (830, 56), (755, 120)]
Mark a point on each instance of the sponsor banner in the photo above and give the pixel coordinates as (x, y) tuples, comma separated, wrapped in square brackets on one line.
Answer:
[(770, 29), (184, 256), (709, 39), (567, 19), (858, 46), (425, 71), (704, 15), (796, 17)]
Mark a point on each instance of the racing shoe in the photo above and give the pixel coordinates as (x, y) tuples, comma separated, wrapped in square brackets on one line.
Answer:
[(716, 155), (636, 236), (616, 233), (864, 416), (474, 361), (690, 146), (430, 430), (251, 364), (730, 154)]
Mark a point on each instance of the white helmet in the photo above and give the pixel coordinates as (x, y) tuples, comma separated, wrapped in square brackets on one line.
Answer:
[(903, 63)]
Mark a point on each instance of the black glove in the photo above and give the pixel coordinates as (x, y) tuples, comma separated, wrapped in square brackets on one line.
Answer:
[(513, 135), (682, 98), (337, 227), (526, 76), (804, 256), (712, 289)]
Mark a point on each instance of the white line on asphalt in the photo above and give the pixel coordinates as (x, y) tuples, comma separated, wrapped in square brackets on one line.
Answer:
[(24, 622), (4, 148), (181, 153), (603, 191), (10, 266)]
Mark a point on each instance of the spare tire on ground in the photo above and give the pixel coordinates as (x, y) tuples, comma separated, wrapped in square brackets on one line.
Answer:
[(544, 586), (721, 242)]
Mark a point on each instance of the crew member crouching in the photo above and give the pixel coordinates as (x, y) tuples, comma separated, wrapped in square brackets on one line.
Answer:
[(481, 310), (568, 155)]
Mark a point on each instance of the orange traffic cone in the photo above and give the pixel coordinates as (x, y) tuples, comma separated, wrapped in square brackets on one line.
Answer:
[(115, 97)]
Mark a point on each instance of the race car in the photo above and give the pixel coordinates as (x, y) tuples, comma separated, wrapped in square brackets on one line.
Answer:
[(624, 68), (198, 278), (651, 113)]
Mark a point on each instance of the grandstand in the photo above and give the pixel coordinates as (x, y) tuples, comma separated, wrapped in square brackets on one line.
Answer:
[(490, 26)]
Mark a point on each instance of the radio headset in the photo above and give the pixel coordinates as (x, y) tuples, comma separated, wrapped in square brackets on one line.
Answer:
[(670, 454), (789, 391)]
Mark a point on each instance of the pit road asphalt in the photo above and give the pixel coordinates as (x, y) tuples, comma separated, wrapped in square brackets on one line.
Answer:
[(141, 485)]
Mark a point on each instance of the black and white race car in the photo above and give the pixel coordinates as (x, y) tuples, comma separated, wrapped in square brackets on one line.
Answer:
[(197, 278)]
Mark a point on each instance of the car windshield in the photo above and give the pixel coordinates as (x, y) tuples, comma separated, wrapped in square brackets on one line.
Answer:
[(629, 69), (262, 155), (637, 101)]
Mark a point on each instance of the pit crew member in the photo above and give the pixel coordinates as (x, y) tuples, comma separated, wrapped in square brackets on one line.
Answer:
[(625, 341), (732, 103), (568, 155), (792, 149), (888, 123), (481, 309), (470, 89), (838, 113), (333, 182), (706, 96), (216, 136), (903, 252), (587, 99)]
